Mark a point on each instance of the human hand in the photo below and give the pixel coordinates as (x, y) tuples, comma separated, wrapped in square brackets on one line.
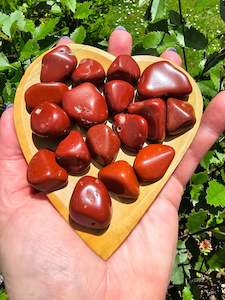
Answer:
[(42, 258)]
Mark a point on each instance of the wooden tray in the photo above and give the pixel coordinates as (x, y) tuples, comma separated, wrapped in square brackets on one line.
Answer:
[(125, 216)]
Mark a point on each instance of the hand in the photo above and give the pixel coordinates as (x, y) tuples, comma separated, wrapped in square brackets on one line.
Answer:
[(41, 257)]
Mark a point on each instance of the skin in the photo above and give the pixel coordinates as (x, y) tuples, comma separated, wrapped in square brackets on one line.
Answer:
[(42, 258)]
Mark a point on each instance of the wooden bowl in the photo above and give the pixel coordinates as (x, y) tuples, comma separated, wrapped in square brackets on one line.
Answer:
[(125, 216)]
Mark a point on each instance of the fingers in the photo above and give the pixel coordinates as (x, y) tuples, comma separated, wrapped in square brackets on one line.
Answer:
[(172, 55), (120, 42), (63, 41)]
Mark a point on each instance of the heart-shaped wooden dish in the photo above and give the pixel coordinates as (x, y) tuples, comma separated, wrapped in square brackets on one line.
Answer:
[(125, 216)]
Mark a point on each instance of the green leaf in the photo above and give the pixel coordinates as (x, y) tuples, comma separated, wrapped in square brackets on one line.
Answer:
[(16, 20), (56, 9), (199, 178), (195, 39), (217, 261), (8, 93), (79, 34), (143, 2), (29, 49), (45, 29), (215, 77), (222, 9), (3, 295), (206, 161), (83, 10), (174, 18), (207, 88), (70, 4), (187, 294), (3, 18), (196, 191), (196, 220), (152, 39), (4, 63), (29, 26), (158, 10), (215, 194)]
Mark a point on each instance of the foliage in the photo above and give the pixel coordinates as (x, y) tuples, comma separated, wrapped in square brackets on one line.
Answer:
[(196, 28)]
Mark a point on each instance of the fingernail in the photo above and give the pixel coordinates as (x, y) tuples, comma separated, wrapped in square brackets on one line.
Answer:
[(120, 28), (172, 49), (64, 39)]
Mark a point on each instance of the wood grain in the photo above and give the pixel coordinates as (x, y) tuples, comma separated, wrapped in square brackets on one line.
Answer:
[(125, 216)]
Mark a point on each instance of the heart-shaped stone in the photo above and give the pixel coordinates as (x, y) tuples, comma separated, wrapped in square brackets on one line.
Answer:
[(118, 94), (86, 105), (58, 64), (44, 92), (124, 67), (72, 153), (119, 177), (103, 144), (90, 204), (44, 174), (162, 79), (49, 120), (125, 216), (154, 111), (132, 130), (88, 70), (180, 116), (152, 162)]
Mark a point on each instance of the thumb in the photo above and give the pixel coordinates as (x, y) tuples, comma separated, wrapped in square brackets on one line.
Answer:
[(120, 42)]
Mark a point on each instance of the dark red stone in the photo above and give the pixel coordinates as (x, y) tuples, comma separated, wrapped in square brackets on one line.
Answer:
[(180, 116), (119, 177), (154, 111), (90, 204), (119, 94), (58, 64), (86, 105), (132, 130), (162, 79), (72, 153), (89, 70), (103, 143), (124, 68), (44, 174), (153, 161), (44, 92), (49, 120)]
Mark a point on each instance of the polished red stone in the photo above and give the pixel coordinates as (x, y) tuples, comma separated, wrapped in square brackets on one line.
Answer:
[(154, 112), (152, 162), (58, 64), (119, 94), (86, 105), (44, 174), (124, 67), (44, 92), (103, 143), (180, 116), (119, 177), (90, 204), (89, 70), (49, 120), (162, 79), (72, 153), (132, 130)]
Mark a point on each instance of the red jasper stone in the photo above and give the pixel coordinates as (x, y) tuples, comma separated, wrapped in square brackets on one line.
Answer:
[(103, 143), (90, 204), (124, 67), (44, 92), (88, 70), (162, 79), (86, 105), (44, 174), (72, 153), (180, 116), (58, 64), (119, 94), (119, 177), (153, 161), (132, 130), (49, 120), (154, 112)]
